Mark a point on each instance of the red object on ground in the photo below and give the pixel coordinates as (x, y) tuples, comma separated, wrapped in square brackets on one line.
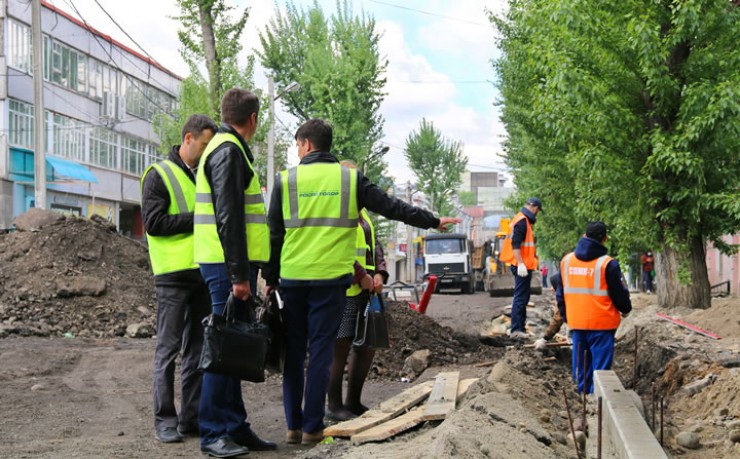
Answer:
[(421, 308), (689, 326)]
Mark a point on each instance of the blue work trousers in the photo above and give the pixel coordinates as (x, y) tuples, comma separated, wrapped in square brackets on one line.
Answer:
[(312, 316), (592, 350), (221, 412), (521, 299)]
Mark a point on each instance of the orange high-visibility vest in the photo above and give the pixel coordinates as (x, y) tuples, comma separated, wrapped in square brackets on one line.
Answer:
[(528, 249), (587, 302)]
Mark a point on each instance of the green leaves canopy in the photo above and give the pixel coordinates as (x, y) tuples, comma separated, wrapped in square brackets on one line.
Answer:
[(337, 63), (626, 112)]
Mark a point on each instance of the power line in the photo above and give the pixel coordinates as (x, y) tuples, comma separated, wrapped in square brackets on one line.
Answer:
[(429, 13), (124, 32)]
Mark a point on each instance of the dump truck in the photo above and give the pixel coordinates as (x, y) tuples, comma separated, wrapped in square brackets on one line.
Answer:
[(449, 257), (499, 281)]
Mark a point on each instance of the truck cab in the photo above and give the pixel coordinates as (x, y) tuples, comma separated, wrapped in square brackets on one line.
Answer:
[(449, 257)]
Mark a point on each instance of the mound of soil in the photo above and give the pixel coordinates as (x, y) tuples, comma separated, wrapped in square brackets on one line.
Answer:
[(410, 332), (73, 276)]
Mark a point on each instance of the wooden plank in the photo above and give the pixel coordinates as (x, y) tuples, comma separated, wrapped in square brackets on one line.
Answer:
[(391, 427), (404, 422), (443, 397), (386, 410)]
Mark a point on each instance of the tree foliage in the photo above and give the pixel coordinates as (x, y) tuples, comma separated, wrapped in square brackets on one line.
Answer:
[(337, 64), (627, 112), (201, 93), (438, 164)]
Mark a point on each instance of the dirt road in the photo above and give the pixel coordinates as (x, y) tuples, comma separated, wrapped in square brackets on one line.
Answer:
[(91, 398)]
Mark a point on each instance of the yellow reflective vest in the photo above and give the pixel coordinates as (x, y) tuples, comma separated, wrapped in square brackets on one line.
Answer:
[(208, 247), (173, 253), (320, 214), (362, 248)]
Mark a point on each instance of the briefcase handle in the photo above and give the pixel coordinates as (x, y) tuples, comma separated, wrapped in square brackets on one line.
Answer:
[(230, 309)]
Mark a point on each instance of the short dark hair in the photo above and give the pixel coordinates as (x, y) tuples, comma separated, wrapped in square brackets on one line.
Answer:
[(318, 131), (237, 105), (196, 124), (596, 230)]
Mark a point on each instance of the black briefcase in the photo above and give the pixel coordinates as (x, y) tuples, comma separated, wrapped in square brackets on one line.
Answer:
[(270, 313), (233, 347), (371, 328)]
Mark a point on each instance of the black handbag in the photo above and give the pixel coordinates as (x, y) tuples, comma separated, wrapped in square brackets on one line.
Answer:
[(233, 347), (371, 328), (270, 313)]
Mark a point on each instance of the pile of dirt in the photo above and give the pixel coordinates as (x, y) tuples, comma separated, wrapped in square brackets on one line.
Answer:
[(722, 318), (75, 277), (410, 332)]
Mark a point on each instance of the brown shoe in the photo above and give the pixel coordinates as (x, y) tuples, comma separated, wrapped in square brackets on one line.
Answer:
[(293, 437), (311, 438)]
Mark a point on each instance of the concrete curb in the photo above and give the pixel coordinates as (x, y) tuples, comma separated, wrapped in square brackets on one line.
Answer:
[(624, 427)]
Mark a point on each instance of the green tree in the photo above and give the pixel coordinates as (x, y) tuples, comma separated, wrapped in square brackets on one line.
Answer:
[(467, 198), (628, 112), (438, 164), (337, 63), (210, 39)]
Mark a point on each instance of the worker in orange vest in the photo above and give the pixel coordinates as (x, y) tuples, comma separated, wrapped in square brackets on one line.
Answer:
[(520, 252), (592, 298)]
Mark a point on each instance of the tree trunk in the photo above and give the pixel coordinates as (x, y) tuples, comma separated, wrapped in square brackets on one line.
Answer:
[(671, 293), (213, 62)]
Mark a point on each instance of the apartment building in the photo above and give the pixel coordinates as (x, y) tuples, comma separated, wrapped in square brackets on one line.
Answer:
[(100, 98)]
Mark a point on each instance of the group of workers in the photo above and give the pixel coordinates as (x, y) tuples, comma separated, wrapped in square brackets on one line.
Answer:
[(209, 233), (589, 289)]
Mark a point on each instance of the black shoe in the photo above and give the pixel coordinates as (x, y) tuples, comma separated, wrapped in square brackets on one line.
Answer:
[(253, 442), (224, 447), (340, 415), (188, 431), (168, 435)]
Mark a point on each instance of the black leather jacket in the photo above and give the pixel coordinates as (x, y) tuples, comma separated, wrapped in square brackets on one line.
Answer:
[(229, 175)]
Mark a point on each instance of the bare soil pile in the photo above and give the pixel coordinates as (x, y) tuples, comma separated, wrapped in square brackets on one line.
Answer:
[(75, 276), (410, 331)]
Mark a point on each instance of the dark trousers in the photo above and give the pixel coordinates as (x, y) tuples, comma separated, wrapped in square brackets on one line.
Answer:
[(312, 317), (222, 411), (181, 306), (647, 277), (592, 350), (521, 298)]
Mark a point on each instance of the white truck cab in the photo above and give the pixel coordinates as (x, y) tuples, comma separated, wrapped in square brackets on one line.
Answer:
[(448, 256)]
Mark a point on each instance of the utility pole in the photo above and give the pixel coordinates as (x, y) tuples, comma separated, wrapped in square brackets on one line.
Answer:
[(271, 138), (410, 260), (38, 102)]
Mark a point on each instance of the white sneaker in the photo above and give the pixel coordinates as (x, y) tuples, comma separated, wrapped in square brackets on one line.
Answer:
[(519, 335)]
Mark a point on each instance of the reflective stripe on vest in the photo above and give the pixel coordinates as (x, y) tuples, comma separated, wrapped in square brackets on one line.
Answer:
[(363, 247), (528, 249), (587, 302), (208, 247), (175, 252), (320, 213)]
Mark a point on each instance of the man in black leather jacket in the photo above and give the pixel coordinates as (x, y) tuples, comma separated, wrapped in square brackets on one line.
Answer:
[(224, 430)]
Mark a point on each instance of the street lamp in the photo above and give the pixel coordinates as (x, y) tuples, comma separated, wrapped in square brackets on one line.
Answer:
[(271, 132), (373, 155)]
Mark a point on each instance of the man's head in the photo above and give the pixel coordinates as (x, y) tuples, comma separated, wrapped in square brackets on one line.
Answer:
[(314, 135), (534, 205), (239, 109), (348, 163), (596, 231), (196, 133)]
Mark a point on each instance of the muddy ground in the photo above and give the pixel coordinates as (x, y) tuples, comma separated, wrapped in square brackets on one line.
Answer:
[(74, 385)]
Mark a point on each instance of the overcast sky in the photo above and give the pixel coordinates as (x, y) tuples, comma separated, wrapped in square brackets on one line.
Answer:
[(439, 54)]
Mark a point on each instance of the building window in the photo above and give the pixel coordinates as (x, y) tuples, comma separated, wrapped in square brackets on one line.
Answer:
[(135, 155), (103, 145), (68, 138), (20, 124), (19, 46)]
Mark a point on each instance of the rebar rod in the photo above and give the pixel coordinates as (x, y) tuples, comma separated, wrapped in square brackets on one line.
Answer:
[(570, 421), (598, 428)]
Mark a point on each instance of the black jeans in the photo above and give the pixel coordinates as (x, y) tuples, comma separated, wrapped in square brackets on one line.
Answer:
[(181, 307)]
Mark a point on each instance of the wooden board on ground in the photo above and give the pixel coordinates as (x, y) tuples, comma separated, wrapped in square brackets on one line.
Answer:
[(383, 412), (404, 422), (443, 397)]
